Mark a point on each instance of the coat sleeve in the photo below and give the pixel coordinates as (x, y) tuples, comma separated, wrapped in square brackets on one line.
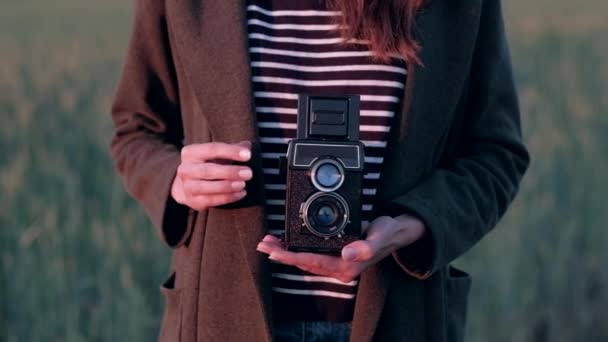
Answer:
[(463, 199), (147, 122)]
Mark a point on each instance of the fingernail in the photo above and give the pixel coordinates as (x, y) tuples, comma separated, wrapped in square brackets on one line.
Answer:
[(269, 238), (238, 185), (349, 254), (241, 194), (245, 173), (272, 256), (245, 154)]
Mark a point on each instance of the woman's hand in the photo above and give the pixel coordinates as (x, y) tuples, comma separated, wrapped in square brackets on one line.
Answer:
[(384, 236), (204, 179)]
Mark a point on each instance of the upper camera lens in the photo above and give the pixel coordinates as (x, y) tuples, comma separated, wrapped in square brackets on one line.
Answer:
[(327, 175)]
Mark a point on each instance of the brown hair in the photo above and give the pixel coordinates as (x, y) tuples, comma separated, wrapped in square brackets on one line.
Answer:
[(388, 25)]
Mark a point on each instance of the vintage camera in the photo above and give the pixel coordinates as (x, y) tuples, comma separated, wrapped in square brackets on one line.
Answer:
[(324, 175)]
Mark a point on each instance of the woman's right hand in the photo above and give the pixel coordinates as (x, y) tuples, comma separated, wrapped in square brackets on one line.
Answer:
[(205, 180)]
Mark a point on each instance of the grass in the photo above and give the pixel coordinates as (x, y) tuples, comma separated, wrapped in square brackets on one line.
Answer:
[(79, 261)]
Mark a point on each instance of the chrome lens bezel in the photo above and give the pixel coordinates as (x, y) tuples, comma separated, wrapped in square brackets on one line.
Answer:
[(315, 168)]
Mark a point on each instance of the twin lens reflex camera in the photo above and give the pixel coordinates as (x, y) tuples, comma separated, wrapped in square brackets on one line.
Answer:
[(324, 168)]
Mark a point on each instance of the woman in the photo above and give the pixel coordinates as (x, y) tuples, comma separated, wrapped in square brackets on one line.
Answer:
[(205, 108)]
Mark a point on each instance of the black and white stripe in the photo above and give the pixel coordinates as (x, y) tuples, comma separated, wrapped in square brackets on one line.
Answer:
[(295, 47)]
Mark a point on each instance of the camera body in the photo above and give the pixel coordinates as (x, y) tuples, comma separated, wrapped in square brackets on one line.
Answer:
[(324, 175)]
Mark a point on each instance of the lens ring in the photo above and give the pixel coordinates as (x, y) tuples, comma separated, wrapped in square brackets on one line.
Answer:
[(317, 171), (341, 220)]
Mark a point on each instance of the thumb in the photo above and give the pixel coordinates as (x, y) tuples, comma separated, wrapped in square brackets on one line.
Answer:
[(361, 250)]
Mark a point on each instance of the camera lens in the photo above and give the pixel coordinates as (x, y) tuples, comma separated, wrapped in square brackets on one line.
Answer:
[(325, 214), (327, 175)]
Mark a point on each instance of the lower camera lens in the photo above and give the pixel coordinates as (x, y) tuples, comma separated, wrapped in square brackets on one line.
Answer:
[(325, 214)]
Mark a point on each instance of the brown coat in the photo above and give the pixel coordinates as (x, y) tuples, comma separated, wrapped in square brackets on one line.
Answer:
[(455, 160)]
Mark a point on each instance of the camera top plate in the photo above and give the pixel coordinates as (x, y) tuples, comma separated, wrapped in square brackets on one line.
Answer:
[(331, 117)]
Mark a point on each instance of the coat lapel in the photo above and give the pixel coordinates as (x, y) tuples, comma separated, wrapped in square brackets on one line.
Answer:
[(446, 31), (212, 41), (432, 91)]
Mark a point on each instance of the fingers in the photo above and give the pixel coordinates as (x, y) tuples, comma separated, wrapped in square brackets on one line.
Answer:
[(274, 241), (201, 187), (345, 276), (213, 171), (309, 260), (246, 144), (206, 184), (276, 251), (323, 265), (208, 201), (380, 240), (215, 150), (271, 238), (270, 244)]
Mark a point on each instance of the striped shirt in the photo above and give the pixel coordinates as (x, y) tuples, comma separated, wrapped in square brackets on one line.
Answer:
[(295, 47)]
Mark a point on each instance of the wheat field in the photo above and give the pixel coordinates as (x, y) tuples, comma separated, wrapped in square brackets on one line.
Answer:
[(79, 261)]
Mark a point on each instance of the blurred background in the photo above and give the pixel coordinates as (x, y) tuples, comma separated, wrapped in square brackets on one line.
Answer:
[(79, 261)]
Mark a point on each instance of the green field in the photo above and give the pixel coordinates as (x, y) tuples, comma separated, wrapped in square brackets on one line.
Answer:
[(79, 261)]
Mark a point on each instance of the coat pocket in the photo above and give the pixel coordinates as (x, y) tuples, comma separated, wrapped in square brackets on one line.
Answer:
[(458, 284), (170, 330)]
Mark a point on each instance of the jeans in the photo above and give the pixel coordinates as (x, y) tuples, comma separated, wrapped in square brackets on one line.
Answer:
[(291, 331)]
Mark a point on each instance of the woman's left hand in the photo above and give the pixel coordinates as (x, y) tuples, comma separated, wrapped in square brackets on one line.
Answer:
[(384, 235)]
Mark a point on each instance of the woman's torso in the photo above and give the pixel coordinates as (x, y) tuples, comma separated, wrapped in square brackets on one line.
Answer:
[(295, 48)]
